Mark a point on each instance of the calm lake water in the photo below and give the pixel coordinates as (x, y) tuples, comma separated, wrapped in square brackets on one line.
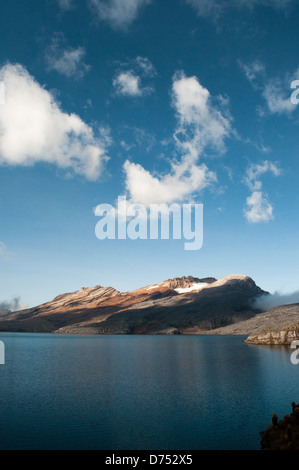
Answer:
[(141, 392)]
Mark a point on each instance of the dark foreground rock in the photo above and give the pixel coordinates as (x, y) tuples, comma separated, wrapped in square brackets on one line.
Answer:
[(282, 434)]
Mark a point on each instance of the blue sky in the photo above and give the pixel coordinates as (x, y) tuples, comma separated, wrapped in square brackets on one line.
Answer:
[(161, 101)]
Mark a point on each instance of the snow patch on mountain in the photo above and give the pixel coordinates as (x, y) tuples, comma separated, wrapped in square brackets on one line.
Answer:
[(195, 287)]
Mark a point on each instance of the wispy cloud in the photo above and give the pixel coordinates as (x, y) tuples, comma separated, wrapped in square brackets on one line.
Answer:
[(119, 14), (4, 252), (253, 71), (274, 90), (258, 207), (66, 4), (214, 9), (33, 129), (131, 76), (138, 138), (256, 171), (277, 98), (64, 59), (145, 66), (207, 8)]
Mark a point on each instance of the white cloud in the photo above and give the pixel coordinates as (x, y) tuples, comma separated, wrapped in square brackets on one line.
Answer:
[(183, 180), (200, 126), (118, 13), (145, 66), (276, 92), (128, 84), (258, 207), (277, 100), (255, 171), (34, 129), (65, 60), (207, 8), (139, 138), (253, 71), (131, 75), (215, 8)]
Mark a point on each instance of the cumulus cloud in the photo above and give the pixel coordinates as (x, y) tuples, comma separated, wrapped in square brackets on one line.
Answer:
[(34, 129), (128, 84), (184, 179), (200, 126), (64, 59), (118, 13), (11, 306), (215, 8), (258, 207)]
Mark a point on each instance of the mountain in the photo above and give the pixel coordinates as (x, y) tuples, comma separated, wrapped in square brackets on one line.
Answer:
[(183, 305)]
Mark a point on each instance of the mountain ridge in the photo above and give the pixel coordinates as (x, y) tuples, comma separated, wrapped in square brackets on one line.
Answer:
[(184, 305)]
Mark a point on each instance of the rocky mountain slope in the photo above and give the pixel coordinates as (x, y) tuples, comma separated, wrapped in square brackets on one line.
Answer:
[(279, 325), (185, 305)]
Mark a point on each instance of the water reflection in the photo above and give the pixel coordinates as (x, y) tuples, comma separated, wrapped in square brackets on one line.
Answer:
[(141, 392)]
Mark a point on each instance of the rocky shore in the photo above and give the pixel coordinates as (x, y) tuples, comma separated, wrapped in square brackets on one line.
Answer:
[(279, 325)]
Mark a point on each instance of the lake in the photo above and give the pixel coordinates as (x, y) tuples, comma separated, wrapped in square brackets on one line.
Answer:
[(141, 392)]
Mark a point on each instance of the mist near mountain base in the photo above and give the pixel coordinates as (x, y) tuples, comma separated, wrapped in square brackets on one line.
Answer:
[(269, 301), (14, 305)]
